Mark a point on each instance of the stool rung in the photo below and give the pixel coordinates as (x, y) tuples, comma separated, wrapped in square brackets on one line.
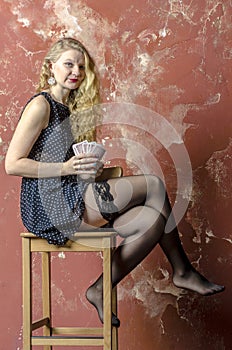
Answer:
[(40, 323), (68, 341), (77, 331)]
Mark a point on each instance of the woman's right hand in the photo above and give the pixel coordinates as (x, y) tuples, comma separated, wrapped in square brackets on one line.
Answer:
[(82, 164)]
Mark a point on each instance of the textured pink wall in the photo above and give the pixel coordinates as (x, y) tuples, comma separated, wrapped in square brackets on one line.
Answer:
[(173, 57)]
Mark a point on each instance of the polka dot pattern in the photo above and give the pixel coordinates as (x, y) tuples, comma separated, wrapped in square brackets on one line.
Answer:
[(52, 208)]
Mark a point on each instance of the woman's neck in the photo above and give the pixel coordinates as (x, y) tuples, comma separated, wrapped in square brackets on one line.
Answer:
[(59, 95)]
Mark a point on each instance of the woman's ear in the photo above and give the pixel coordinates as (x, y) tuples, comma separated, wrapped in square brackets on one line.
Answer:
[(51, 67)]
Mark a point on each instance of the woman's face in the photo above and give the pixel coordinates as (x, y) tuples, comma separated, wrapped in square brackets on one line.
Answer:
[(69, 69)]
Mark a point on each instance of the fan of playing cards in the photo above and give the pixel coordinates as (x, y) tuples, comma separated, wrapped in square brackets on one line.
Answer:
[(89, 147)]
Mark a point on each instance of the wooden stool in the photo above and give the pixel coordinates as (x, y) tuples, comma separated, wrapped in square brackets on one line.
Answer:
[(106, 335), (101, 240)]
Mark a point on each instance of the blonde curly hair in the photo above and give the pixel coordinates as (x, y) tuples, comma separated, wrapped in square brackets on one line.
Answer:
[(81, 100)]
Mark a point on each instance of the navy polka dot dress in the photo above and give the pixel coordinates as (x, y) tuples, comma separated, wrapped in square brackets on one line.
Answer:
[(52, 208)]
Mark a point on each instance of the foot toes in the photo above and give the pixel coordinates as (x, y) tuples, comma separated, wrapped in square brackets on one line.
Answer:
[(215, 289)]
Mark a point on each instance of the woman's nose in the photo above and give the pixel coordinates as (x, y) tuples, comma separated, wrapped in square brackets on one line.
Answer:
[(76, 70)]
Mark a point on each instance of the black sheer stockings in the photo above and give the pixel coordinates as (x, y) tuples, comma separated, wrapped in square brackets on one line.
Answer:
[(94, 295), (144, 209), (184, 275)]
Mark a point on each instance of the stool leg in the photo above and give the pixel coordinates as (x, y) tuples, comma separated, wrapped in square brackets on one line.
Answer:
[(107, 296), (114, 304), (114, 330), (46, 293), (27, 295)]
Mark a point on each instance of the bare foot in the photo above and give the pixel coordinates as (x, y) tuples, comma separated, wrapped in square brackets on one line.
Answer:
[(94, 296), (194, 281)]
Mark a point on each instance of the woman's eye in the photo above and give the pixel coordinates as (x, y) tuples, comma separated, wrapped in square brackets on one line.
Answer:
[(82, 67), (68, 64)]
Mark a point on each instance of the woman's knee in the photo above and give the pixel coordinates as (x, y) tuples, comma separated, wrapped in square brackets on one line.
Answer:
[(137, 220), (155, 183)]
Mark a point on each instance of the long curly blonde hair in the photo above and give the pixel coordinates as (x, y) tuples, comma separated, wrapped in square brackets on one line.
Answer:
[(81, 100)]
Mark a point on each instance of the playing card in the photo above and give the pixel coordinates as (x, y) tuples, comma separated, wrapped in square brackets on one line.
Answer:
[(83, 146), (89, 147), (98, 151), (80, 146), (75, 149)]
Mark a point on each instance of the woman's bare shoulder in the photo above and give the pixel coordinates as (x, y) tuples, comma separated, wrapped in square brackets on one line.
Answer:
[(39, 102), (38, 109)]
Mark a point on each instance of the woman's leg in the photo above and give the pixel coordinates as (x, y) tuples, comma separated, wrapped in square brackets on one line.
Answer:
[(146, 222), (184, 275), (143, 211)]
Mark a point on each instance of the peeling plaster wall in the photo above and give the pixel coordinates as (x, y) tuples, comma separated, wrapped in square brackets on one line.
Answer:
[(174, 59)]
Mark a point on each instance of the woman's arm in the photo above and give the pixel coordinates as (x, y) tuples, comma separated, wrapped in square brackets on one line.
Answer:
[(33, 120)]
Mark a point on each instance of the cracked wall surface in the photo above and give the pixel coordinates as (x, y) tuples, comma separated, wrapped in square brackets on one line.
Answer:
[(167, 66)]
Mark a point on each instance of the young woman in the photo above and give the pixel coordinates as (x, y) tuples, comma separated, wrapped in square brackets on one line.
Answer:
[(57, 200)]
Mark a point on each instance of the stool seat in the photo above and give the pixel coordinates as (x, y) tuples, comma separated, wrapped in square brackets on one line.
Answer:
[(91, 240)]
